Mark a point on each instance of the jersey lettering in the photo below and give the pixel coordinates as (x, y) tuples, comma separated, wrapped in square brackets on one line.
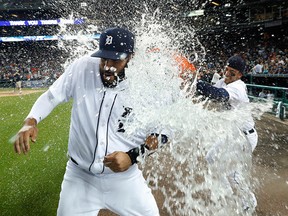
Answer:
[(124, 116)]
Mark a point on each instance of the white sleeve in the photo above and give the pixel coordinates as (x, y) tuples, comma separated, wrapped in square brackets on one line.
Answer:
[(220, 83), (237, 93), (62, 87), (234, 93), (43, 106)]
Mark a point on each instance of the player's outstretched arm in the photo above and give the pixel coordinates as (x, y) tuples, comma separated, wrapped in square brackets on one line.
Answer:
[(212, 92), (27, 132), (40, 110)]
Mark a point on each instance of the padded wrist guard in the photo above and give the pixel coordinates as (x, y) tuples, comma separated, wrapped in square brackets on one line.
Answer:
[(144, 150), (135, 152)]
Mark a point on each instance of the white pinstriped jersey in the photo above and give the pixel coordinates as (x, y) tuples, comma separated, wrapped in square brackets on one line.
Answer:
[(238, 97), (96, 128)]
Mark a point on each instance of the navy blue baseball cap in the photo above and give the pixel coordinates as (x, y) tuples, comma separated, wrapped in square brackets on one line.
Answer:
[(115, 43), (237, 63)]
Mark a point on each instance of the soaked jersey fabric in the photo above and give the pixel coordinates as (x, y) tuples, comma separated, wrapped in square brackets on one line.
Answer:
[(97, 119), (238, 98)]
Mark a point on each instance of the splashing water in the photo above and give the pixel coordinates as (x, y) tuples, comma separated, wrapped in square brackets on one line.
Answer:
[(207, 149)]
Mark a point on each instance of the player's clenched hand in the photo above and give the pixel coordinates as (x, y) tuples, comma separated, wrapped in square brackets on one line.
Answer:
[(27, 132), (151, 142), (117, 161)]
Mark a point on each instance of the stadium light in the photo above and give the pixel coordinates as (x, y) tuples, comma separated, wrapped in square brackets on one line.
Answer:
[(215, 3), (195, 13)]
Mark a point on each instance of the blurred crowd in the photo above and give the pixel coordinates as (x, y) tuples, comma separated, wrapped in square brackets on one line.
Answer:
[(270, 60), (47, 69), (266, 58), (44, 60), (33, 61)]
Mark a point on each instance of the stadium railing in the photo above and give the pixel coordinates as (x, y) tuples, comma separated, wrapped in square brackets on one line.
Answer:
[(280, 99)]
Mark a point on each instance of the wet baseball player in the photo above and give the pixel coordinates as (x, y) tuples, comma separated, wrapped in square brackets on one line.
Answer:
[(102, 172), (232, 92)]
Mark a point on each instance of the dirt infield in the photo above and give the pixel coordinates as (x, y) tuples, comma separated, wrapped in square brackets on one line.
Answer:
[(271, 166), (12, 93)]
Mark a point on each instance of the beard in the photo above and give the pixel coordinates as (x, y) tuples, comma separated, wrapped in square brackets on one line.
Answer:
[(111, 79)]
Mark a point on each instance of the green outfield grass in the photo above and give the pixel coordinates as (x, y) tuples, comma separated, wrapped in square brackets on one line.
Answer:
[(30, 184)]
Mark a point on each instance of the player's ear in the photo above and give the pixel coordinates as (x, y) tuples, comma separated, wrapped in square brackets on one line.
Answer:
[(130, 56), (240, 75)]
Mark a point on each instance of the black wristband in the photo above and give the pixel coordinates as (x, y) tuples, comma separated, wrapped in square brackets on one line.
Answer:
[(133, 154)]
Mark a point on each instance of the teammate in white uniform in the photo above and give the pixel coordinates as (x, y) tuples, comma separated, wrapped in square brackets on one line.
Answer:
[(232, 91), (102, 172), (237, 97)]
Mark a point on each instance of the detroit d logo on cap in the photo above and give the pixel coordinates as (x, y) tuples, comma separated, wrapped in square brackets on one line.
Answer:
[(109, 40)]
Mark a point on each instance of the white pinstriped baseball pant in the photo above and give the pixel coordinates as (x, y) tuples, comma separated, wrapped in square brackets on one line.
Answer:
[(125, 193)]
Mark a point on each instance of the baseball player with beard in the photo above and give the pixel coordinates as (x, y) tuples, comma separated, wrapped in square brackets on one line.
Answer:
[(102, 172)]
